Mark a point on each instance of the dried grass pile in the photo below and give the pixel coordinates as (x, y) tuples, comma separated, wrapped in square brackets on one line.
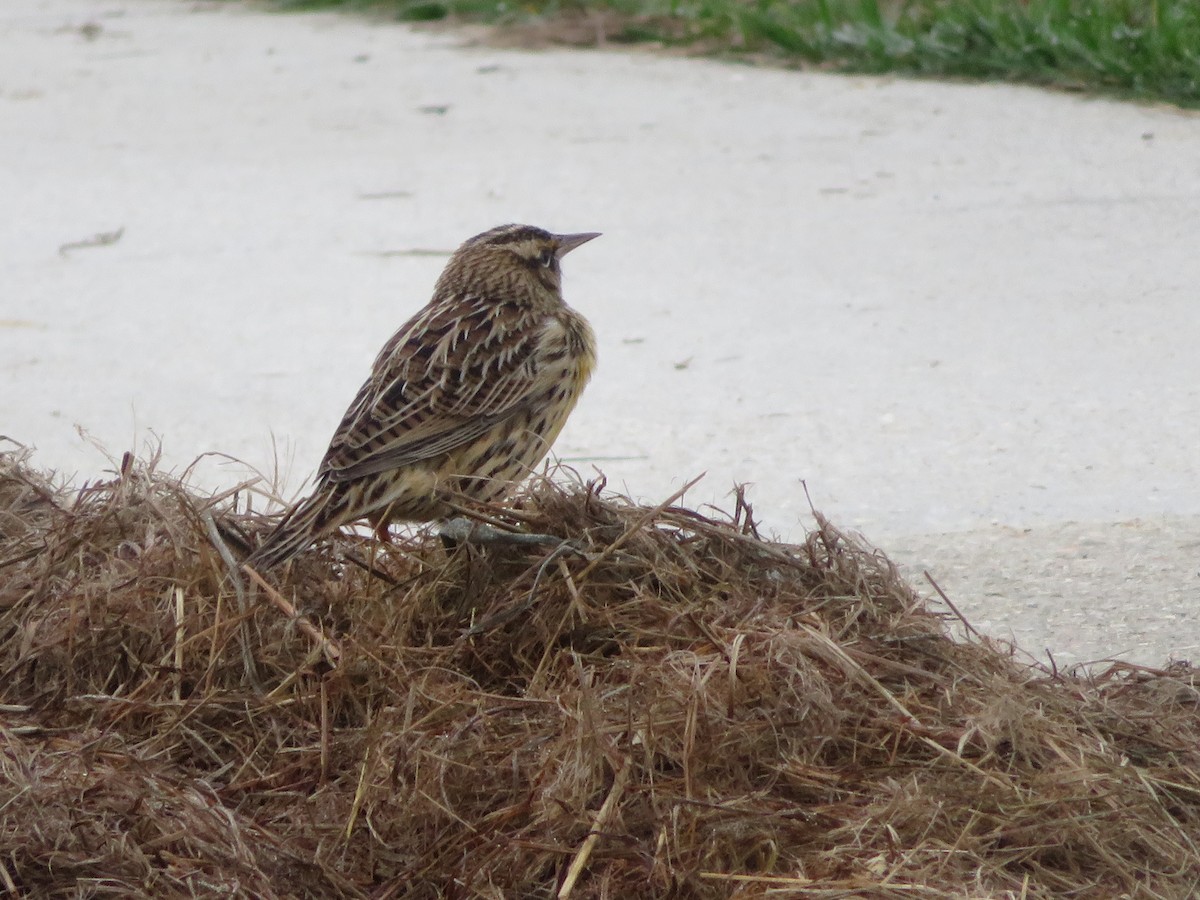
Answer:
[(683, 710)]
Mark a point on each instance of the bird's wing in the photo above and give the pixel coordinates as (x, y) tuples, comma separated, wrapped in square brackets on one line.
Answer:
[(445, 378)]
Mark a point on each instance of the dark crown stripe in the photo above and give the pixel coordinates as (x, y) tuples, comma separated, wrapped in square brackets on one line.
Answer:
[(508, 234)]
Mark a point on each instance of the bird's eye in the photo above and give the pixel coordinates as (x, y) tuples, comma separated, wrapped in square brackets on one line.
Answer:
[(546, 258)]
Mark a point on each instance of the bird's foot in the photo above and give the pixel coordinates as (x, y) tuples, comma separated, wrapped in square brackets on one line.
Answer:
[(461, 530)]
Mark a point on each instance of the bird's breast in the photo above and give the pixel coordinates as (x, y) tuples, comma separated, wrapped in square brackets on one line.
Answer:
[(567, 350)]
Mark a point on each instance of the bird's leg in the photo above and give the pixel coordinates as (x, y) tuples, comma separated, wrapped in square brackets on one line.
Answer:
[(382, 533), (461, 530), (380, 523)]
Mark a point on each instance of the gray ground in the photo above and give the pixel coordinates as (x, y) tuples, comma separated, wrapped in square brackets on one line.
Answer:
[(1069, 592), (964, 316)]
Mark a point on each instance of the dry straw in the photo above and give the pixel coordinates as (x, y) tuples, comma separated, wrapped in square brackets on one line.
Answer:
[(675, 707)]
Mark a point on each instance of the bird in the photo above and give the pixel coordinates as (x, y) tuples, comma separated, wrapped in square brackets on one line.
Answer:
[(462, 402)]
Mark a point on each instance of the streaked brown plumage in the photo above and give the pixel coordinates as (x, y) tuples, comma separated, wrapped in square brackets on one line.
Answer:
[(462, 402)]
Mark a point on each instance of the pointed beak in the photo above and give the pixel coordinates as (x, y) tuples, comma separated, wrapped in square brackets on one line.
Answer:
[(568, 242)]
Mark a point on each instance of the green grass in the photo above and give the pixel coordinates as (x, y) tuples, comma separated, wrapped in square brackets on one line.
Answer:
[(1148, 49)]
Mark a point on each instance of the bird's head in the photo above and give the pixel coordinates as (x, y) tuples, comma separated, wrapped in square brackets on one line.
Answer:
[(510, 255)]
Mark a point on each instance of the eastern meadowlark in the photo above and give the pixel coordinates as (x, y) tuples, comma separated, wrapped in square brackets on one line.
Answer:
[(462, 402)]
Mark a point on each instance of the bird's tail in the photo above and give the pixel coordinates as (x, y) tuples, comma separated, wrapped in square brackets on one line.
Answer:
[(304, 523)]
